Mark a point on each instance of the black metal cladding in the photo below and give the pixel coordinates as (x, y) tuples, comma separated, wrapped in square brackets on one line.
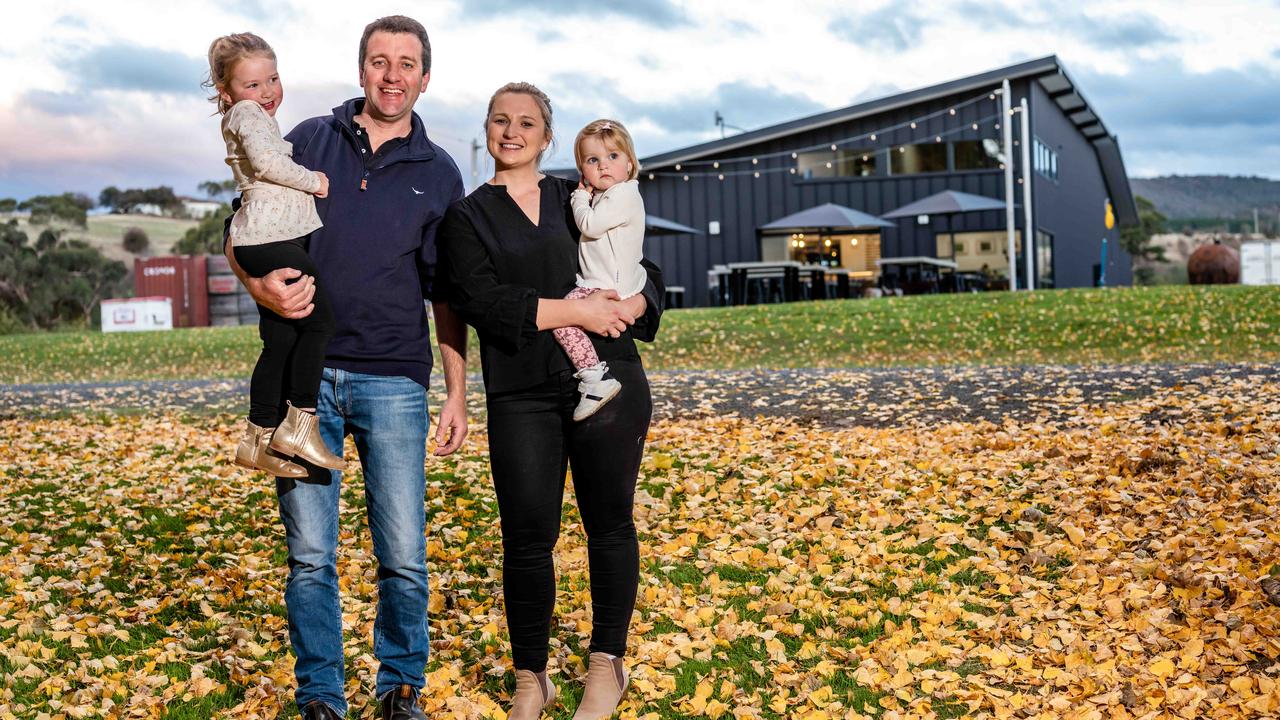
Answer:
[(1072, 208)]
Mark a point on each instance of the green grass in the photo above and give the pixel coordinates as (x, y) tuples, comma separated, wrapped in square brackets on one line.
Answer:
[(1116, 325)]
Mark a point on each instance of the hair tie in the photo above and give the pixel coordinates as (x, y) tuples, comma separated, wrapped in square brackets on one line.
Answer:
[(607, 126)]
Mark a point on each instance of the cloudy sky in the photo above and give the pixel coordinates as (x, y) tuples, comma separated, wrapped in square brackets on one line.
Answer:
[(108, 93)]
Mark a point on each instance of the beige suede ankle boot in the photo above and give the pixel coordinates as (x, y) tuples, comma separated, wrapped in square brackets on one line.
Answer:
[(534, 693), (254, 452), (299, 436), (606, 683)]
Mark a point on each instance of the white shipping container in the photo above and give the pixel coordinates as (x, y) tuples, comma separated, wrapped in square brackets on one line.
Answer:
[(131, 314), (1259, 263)]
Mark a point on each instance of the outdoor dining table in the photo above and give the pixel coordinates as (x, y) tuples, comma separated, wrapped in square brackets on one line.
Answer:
[(782, 281)]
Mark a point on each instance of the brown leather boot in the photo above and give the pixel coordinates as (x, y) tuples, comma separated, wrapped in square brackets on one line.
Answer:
[(606, 682), (299, 436), (254, 452), (534, 693)]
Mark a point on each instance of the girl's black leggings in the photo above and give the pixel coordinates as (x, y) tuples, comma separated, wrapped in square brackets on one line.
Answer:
[(532, 440), (292, 358)]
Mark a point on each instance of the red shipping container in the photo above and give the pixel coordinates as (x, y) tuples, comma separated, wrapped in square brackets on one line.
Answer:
[(183, 279)]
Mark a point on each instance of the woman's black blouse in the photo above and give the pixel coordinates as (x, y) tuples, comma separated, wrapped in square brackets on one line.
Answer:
[(496, 264)]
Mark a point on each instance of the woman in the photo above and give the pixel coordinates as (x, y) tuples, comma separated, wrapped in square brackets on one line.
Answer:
[(509, 255)]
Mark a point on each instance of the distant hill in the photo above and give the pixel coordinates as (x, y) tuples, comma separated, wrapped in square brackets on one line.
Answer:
[(1184, 197)]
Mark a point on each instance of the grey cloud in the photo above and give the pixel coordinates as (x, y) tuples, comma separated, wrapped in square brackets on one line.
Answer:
[(257, 10), (1167, 93), (132, 67), (741, 27), (550, 36), (1126, 32), (71, 21), (652, 12), (891, 27), (742, 104), (1166, 116), (55, 103)]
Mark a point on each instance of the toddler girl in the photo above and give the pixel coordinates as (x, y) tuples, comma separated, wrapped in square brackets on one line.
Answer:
[(610, 213), (268, 233)]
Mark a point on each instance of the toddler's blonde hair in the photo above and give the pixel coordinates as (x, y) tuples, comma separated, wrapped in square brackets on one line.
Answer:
[(612, 134), (224, 53)]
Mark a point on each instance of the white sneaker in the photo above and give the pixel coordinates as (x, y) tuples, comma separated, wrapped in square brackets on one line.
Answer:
[(596, 390)]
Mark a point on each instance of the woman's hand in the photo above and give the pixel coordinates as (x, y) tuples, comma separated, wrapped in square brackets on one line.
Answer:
[(603, 314)]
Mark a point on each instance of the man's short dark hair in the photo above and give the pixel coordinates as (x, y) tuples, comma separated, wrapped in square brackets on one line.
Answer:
[(398, 24)]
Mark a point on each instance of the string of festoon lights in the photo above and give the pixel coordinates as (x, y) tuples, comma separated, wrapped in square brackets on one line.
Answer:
[(722, 168)]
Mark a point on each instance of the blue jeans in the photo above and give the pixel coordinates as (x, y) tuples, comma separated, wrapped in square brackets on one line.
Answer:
[(387, 416)]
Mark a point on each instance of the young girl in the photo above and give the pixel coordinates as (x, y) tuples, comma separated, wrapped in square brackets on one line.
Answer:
[(610, 213), (266, 234)]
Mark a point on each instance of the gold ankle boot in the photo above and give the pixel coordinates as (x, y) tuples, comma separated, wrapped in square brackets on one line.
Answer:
[(606, 682), (534, 693), (299, 436), (255, 453)]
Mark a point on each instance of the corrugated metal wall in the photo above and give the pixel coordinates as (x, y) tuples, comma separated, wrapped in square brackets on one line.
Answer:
[(742, 203)]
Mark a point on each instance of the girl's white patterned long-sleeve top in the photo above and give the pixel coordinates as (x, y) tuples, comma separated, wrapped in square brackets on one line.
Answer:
[(276, 202), (612, 243)]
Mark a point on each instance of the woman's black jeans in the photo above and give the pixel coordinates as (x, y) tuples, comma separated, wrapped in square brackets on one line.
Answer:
[(292, 358), (532, 439)]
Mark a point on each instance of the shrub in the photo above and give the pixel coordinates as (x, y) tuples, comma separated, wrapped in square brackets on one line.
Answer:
[(136, 240)]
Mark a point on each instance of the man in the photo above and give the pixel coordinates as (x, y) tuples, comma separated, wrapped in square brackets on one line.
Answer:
[(376, 254)]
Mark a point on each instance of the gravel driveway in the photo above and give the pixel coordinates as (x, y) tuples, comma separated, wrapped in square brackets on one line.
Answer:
[(870, 397)]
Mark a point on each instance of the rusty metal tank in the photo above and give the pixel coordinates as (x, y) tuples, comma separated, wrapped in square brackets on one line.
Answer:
[(1214, 264)]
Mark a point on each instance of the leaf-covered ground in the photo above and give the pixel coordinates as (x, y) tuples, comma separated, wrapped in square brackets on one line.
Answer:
[(1102, 552)]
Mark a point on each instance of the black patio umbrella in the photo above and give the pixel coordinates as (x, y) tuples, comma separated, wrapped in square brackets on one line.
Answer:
[(946, 204), (654, 225), (825, 220), (828, 218)]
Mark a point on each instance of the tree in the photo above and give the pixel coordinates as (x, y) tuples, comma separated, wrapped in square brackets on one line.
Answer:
[(1137, 240), (54, 282), (109, 197), (215, 190), (48, 238), (68, 207), (136, 240), (125, 201), (8, 205), (206, 237)]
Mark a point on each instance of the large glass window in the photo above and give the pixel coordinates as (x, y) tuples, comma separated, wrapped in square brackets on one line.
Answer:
[(978, 251), (837, 163), (922, 158), (971, 155), (1045, 160), (816, 164), (856, 163), (1044, 259)]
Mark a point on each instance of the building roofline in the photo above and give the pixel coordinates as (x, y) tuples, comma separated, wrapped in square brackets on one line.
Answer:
[(1037, 67), (1048, 70)]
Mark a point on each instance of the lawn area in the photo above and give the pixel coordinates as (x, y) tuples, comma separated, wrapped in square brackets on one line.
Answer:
[(1104, 566), (1116, 325)]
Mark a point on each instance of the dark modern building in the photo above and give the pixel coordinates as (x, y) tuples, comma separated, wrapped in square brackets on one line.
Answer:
[(880, 155)]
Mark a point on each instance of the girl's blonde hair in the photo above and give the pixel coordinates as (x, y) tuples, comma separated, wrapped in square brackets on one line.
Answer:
[(224, 53), (539, 98), (613, 135)]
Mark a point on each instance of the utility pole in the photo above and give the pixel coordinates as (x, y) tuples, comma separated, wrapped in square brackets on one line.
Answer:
[(1255, 222), (475, 155), (1028, 234), (1006, 124)]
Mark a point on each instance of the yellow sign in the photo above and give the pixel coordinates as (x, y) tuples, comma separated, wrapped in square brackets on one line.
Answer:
[(1111, 216)]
